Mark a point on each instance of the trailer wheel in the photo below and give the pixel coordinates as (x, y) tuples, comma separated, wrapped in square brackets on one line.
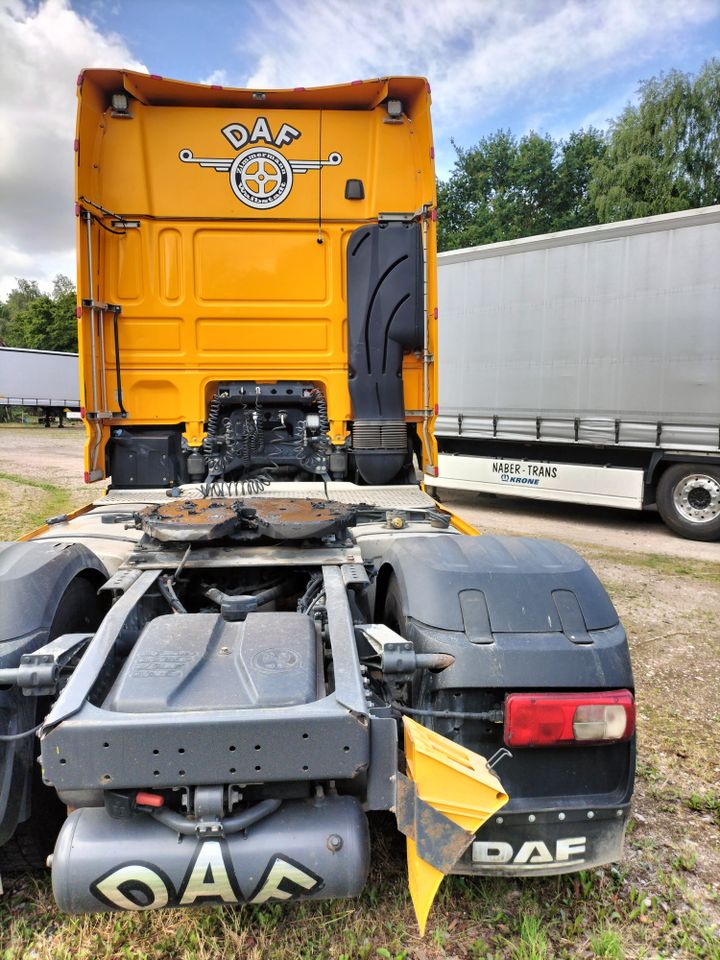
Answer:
[(80, 609), (688, 499)]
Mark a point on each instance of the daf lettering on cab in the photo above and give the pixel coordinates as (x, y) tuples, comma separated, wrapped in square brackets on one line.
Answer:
[(584, 367), (265, 629)]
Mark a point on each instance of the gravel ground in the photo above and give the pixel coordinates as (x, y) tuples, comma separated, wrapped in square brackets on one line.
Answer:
[(51, 455), (632, 530)]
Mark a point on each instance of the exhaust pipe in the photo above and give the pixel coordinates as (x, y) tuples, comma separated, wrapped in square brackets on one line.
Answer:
[(310, 850)]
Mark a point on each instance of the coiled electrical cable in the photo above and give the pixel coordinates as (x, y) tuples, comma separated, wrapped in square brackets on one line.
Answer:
[(319, 399), (248, 487)]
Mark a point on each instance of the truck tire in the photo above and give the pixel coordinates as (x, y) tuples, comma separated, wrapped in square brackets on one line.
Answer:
[(688, 500), (79, 610), (393, 614)]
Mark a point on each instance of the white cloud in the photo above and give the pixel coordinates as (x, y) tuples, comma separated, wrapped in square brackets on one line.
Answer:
[(42, 50), (484, 59), (480, 55), (220, 77)]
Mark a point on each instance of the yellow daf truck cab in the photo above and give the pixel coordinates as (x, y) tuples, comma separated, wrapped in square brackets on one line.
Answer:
[(257, 280)]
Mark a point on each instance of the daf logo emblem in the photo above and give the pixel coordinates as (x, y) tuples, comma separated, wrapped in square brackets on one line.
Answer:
[(261, 177), (275, 660)]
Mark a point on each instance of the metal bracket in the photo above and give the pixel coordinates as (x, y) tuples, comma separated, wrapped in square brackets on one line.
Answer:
[(397, 217), (38, 674), (395, 655), (99, 305), (497, 757), (355, 576), (122, 579)]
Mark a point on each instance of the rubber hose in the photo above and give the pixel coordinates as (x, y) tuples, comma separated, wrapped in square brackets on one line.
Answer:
[(231, 824)]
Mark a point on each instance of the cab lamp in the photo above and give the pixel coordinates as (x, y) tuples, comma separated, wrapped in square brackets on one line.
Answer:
[(564, 719)]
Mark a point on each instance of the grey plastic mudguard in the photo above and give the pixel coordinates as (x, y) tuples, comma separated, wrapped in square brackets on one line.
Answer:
[(33, 578), (517, 577), (514, 612)]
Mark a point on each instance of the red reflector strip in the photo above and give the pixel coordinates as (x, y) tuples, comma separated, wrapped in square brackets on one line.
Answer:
[(557, 719), (145, 799)]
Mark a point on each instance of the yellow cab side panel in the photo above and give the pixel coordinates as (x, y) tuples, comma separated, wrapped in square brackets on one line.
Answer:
[(211, 287)]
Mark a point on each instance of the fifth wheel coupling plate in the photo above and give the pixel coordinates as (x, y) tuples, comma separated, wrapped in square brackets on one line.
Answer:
[(277, 518)]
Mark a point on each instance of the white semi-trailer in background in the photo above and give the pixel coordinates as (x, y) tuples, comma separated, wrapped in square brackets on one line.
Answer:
[(46, 379), (584, 367)]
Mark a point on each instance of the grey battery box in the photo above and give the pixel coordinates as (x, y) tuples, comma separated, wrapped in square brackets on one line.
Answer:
[(200, 661)]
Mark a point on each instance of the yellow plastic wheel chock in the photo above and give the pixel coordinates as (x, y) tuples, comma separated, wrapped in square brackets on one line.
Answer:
[(448, 794)]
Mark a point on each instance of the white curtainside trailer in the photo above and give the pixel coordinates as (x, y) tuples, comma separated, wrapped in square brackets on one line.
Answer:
[(584, 367), (39, 378)]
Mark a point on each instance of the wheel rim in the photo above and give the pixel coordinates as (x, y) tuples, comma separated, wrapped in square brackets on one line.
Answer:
[(697, 498)]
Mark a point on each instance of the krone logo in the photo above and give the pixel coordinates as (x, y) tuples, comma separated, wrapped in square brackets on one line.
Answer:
[(260, 177)]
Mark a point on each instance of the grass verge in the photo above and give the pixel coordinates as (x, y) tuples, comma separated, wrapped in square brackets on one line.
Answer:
[(26, 503)]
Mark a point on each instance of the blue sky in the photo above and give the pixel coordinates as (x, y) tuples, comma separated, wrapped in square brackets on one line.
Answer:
[(547, 65), (561, 89)]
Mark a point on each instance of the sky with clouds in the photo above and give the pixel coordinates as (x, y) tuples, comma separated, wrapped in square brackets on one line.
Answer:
[(548, 65)]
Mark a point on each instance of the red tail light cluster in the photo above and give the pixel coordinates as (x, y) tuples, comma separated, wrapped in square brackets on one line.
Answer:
[(557, 719)]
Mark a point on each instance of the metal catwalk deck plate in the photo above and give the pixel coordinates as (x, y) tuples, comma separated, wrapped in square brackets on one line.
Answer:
[(384, 498)]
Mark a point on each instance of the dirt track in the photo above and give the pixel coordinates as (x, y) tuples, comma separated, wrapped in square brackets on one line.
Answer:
[(630, 530)]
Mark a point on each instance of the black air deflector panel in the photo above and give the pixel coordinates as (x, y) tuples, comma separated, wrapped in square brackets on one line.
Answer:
[(385, 317)]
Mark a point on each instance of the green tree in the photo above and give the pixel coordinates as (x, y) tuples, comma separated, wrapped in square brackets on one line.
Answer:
[(664, 153), (40, 321), (18, 300), (504, 188), (582, 150)]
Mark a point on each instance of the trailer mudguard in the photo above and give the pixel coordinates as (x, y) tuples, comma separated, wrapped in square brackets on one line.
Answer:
[(34, 578)]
